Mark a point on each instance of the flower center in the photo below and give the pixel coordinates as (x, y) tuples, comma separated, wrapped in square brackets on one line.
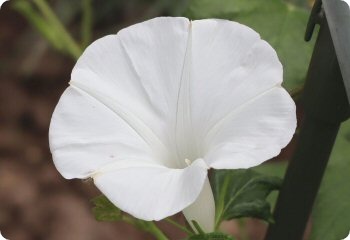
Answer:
[(188, 162)]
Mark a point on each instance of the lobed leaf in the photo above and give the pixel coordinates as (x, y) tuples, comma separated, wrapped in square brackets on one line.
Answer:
[(242, 193)]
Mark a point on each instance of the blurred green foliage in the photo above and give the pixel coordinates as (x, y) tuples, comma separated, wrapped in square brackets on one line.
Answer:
[(331, 214), (44, 19), (54, 19)]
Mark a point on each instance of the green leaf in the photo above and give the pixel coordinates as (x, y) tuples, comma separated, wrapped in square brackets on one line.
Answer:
[(210, 236), (242, 193), (257, 209), (277, 169), (331, 213), (307, 4), (281, 24), (104, 210)]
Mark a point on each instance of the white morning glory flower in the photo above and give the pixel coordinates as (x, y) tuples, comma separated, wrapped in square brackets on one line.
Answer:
[(150, 109)]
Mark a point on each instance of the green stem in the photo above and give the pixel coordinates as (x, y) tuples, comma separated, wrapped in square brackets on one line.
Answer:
[(198, 228), (155, 231), (179, 226), (232, 200), (220, 205), (71, 46), (86, 25), (242, 229), (128, 220), (149, 227)]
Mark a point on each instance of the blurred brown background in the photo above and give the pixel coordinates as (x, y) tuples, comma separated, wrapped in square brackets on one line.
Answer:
[(35, 201)]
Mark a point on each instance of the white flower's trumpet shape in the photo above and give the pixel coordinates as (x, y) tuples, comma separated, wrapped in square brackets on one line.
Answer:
[(150, 109)]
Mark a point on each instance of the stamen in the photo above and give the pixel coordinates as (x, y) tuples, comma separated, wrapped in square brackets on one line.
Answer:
[(188, 162)]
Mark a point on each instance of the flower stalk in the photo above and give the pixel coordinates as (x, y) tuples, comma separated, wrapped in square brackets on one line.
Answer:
[(179, 226), (146, 226)]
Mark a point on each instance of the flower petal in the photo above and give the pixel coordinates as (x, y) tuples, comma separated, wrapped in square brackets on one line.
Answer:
[(152, 193), (122, 99), (86, 135), (253, 133), (203, 209), (232, 68), (137, 73)]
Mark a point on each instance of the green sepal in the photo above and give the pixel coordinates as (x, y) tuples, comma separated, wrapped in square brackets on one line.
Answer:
[(104, 210)]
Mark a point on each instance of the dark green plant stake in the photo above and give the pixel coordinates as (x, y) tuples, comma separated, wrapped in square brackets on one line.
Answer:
[(326, 104)]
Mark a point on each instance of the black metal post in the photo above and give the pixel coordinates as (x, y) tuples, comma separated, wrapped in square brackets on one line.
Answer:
[(326, 106)]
